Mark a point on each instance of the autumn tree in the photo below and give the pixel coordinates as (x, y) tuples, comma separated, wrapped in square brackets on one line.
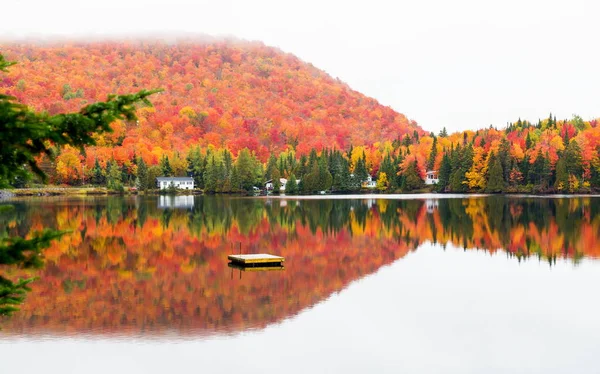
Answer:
[(25, 135)]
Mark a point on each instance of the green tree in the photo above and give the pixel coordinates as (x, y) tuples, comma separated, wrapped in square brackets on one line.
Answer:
[(24, 136), (97, 174), (292, 187), (165, 166), (432, 155), (412, 180), (360, 170), (495, 181), (247, 168), (573, 159), (113, 176), (444, 173), (562, 175), (141, 180), (195, 166)]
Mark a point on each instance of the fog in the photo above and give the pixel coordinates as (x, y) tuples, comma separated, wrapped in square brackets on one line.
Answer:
[(464, 64)]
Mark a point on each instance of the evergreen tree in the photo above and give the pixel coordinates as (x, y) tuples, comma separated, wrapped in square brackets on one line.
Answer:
[(412, 180), (444, 173), (325, 179), (444, 133), (562, 175), (98, 176), (292, 187), (271, 166), (276, 181), (432, 155), (165, 166), (495, 181), (210, 175), (246, 167), (195, 166), (141, 182), (113, 176), (528, 141), (360, 170), (573, 159)]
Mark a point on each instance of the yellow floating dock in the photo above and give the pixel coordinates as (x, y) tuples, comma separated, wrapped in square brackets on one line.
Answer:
[(259, 259)]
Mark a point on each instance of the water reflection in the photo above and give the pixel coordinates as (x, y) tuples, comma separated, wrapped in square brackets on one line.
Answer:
[(135, 266)]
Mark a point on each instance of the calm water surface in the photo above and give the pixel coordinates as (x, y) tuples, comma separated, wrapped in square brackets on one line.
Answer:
[(465, 285)]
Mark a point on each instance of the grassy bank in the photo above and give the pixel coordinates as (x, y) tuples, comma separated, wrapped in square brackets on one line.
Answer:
[(56, 191)]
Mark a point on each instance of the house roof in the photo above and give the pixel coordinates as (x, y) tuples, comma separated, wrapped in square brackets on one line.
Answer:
[(174, 179)]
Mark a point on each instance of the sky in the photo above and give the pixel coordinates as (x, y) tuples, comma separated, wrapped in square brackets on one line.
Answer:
[(461, 64)]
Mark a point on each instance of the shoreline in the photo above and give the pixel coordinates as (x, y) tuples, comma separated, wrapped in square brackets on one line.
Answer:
[(103, 191)]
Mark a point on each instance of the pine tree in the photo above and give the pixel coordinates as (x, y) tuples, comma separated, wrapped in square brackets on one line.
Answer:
[(246, 167), (195, 166), (573, 159), (98, 176), (432, 155), (360, 170), (412, 180), (292, 187), (444, 133), (210, 176), (165, 166), (495, 181), (271, 166), (113, 176), (444, 173), (562, 175), (276, 181), (528, 142), (141, 181)]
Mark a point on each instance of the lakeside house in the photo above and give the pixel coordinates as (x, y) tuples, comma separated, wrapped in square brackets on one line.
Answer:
[(282, 183), (183, 183), (370, 182), (431, 177)]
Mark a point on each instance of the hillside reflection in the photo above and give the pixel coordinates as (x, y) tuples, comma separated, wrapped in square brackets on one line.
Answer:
[(148, 266)]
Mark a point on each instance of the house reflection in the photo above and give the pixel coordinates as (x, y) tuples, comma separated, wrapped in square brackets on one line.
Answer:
[(176, 202)]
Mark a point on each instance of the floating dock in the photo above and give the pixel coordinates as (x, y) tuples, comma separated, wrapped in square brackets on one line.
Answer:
[(256, 260), (258, 267)]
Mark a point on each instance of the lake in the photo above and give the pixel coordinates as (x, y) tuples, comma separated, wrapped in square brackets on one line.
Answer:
[(418, 284)]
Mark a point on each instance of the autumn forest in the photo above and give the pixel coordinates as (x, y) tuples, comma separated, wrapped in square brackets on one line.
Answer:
[(235, 114)]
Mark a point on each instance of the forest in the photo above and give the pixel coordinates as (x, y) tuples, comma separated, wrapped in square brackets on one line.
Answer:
[(235, 114)]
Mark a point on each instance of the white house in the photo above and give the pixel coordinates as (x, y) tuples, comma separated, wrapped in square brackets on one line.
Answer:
[(431, 177), (282, 183), (370, 182), (183, 183)]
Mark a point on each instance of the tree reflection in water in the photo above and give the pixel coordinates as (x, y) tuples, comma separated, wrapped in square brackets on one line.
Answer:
[(133, 266)]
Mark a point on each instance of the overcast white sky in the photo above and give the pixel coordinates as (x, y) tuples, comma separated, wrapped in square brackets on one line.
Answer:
[(460, 64)]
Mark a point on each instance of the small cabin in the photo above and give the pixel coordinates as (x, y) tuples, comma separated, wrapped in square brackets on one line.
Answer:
[(282, 183), (431, 177), (183, 183), (370, 182)]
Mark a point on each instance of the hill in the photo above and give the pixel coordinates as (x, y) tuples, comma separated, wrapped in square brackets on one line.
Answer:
[(231, 94)]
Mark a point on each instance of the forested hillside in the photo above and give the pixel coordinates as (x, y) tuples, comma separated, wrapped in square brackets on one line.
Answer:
[(231, 94), (296, 122)]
